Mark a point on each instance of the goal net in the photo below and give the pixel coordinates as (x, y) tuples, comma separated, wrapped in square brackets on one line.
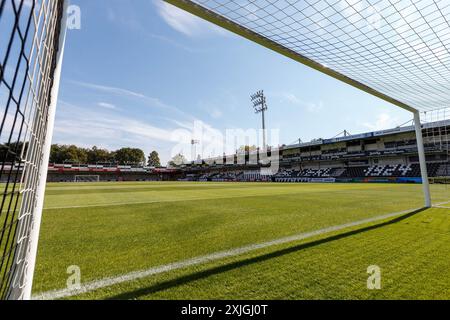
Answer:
[(87, 178), (436, 135), (31, 47)]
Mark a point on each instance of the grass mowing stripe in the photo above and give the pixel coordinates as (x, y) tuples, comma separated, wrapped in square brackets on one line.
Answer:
[(345, 191), (107, 282), (118, 204)]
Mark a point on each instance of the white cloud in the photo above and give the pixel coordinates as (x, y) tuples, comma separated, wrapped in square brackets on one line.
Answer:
[(136, 26), (113, 90), (87, 127), (107, 105), (185, 22), (150, 101), (383, 121), (215, 113), (108, 129), (307, 105)]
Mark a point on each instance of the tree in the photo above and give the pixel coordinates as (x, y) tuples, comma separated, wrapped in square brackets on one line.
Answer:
[(130, 156), (74, 154), (71, 154), (153, 160), (177, 161), (56, 154), (96, 155), (11, 152)]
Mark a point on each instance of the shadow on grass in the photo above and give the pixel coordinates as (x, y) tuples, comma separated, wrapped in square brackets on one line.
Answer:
[(238, 264)]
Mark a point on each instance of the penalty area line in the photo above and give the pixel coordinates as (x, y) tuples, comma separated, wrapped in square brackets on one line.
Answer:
[(136, 275)]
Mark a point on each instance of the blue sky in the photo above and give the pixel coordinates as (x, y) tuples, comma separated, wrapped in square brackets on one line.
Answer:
[(140, 71)]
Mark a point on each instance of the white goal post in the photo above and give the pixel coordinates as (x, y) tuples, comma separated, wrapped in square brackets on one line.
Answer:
[(87, 178), (32, 37)]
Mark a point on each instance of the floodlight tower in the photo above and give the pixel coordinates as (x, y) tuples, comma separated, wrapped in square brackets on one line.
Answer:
[(260, 106), (194, 150)]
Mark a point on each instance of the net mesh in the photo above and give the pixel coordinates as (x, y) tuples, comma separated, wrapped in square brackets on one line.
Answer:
[(29, 35), (436, 136), (399, 48)]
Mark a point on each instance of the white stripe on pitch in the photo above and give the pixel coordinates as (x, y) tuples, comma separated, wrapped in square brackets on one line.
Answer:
[(107, 282), (441, 203)]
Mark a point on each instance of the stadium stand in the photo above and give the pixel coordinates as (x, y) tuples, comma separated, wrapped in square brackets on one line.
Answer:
[(386, 155)]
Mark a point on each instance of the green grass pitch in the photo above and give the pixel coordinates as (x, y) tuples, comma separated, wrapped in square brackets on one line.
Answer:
[(111, 229)]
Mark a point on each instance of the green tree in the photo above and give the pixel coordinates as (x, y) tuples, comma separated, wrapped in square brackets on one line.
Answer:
[(130, 156), (11, 152), (153, 160), (96, 155), (74, 154), (71, 154), (55, 153), (177, 161)]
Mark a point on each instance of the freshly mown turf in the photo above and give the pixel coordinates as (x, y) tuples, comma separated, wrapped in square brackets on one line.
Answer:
[(109, 229)]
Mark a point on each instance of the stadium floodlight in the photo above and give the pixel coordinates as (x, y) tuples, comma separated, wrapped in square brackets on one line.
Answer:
[(31, 51), (260, 105), (194, 143), (395, 50)]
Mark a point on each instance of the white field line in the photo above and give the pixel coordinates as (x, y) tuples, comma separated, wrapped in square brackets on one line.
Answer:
[(441, 203), (110, 281), (441, 207)]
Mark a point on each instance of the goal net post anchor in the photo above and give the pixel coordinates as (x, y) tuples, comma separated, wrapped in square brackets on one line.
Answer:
[(422, 159), (24, 291)]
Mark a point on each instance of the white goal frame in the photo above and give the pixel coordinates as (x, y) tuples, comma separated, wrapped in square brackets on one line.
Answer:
[(31, 132)]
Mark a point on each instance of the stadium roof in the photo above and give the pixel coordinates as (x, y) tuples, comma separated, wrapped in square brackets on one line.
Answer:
[(397, 50)]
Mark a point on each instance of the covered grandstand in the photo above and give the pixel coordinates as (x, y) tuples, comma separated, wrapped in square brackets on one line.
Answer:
[(381, 156)]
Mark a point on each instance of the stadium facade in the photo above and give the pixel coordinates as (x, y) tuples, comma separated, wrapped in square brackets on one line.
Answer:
[(380, 156)]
